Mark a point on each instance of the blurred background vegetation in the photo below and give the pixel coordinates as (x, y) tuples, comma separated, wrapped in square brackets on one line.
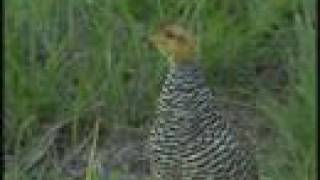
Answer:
[(76, 70)]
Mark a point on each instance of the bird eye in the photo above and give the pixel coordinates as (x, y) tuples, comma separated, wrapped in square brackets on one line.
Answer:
[(169, 34)]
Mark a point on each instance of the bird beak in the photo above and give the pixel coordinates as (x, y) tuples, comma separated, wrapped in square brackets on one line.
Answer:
[(148, 41)]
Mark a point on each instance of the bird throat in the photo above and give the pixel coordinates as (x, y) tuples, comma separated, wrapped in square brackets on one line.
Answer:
[(182, 61)]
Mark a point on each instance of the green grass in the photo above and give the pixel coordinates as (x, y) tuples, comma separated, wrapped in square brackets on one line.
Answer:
[(295, 120), (81, 65)]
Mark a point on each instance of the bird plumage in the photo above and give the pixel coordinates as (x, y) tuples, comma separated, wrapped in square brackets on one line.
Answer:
[(191, 136), (189, 139)]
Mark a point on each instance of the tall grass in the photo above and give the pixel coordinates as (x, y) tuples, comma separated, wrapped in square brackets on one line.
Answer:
[(70, 65), (293, 156)]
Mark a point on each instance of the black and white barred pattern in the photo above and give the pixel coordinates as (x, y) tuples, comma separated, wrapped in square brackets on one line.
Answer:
[(189, 139)]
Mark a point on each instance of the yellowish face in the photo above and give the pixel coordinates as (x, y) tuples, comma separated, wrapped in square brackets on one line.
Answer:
[(175, 42)]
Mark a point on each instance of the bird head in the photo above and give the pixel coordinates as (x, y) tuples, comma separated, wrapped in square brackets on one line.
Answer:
[(175, 42)]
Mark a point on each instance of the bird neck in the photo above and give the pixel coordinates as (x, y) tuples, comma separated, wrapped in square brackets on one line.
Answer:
[(186, 73), (182, 61), (186, 67)]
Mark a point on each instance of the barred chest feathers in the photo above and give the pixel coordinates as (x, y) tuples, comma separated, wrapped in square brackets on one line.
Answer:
[(189, 138)]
